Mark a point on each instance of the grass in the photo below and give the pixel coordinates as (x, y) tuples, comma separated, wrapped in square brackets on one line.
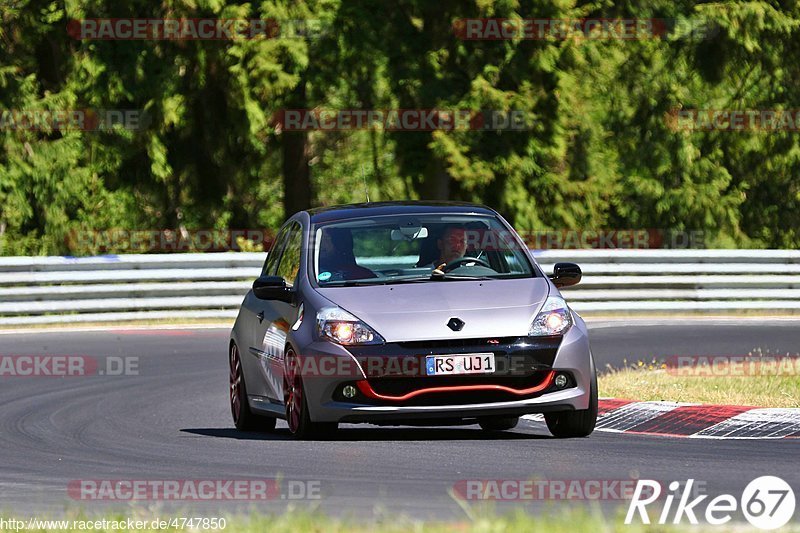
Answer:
[(566, 521), (756, 383)]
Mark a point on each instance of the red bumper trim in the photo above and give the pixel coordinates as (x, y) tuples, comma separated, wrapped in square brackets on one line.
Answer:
[(369, 392)]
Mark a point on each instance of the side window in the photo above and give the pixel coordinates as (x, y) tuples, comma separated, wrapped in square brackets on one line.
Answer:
[(290, 259), (271, 264)]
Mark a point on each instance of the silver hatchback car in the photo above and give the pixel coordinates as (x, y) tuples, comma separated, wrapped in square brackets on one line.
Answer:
[(408, 313)]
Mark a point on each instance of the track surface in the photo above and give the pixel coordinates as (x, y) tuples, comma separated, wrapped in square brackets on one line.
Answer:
[(172, 421), (613, 342)]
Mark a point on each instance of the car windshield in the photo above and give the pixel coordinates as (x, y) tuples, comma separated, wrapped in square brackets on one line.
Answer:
[(418, 248)]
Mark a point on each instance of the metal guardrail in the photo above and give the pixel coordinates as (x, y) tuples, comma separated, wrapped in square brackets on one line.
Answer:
[(672, 281), (185, 286), (47, 290)]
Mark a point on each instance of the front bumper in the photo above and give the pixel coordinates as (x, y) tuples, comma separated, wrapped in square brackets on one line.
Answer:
[(522, 384), (410, 415)]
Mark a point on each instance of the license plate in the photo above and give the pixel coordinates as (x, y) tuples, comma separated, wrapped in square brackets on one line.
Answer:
[(474, 363)]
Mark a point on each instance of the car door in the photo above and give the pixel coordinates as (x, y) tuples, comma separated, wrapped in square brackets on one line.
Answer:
[(274, 317), (251, 308)]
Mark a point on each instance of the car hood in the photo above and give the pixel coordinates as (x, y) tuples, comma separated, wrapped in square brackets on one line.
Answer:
[(420, 311)]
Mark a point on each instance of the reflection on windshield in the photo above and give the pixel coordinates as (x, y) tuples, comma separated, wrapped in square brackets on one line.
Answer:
[(413, 249)]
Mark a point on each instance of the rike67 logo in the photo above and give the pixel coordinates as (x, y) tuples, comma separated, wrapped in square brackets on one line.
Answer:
[(767, 502)]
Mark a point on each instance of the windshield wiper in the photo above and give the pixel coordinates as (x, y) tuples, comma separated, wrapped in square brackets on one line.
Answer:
[(406, 280), (377, 281), (398, 281), (450, 277)]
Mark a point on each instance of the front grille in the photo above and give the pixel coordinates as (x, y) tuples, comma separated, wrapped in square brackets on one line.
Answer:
[(514, 356), (456, 343)]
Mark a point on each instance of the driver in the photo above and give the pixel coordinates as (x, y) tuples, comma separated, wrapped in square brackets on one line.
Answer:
[(452, 244)]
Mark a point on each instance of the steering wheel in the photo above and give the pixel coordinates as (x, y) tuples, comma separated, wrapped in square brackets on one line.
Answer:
[(455, 263)]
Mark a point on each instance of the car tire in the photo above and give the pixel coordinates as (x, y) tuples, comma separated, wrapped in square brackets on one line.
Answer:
[(570, 424), (243, 417), (297, 415), (498, 423)]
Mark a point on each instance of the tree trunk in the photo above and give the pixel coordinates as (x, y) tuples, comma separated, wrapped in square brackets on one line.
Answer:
[(297, 194), (436, 184)]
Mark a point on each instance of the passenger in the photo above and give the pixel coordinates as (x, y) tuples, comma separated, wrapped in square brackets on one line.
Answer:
[(336, 258)]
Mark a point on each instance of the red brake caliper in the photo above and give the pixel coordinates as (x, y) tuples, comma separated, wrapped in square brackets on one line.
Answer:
[(294, 400), (234, 363)]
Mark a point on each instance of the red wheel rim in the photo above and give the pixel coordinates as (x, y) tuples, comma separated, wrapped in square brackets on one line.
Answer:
[(236, 383), (293, 393)]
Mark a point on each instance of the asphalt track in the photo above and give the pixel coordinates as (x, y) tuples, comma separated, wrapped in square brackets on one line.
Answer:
[(172, 421)]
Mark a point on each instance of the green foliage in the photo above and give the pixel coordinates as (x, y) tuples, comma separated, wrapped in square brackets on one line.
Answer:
[(599, 150)]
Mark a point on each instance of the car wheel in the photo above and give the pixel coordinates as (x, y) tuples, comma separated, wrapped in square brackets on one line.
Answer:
[(498, 423), (294, 396), (243, 418), (580, 423)]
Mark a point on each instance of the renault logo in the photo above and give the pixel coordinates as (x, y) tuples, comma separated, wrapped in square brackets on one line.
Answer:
[(456, 324)]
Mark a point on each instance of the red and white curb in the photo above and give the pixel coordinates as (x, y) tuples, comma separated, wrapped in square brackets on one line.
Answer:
[(694, 421)]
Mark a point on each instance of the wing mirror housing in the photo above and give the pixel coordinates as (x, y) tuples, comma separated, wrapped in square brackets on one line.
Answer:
[(272, 288), (566, 275)]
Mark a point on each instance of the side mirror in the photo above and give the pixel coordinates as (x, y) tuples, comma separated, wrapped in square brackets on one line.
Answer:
[(566, 274), (272, 288)]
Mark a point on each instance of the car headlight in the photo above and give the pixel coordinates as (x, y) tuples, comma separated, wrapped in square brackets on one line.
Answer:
[(554, 318), (338, 325)]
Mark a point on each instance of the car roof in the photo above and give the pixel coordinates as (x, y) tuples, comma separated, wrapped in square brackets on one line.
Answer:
[(370, 209)]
